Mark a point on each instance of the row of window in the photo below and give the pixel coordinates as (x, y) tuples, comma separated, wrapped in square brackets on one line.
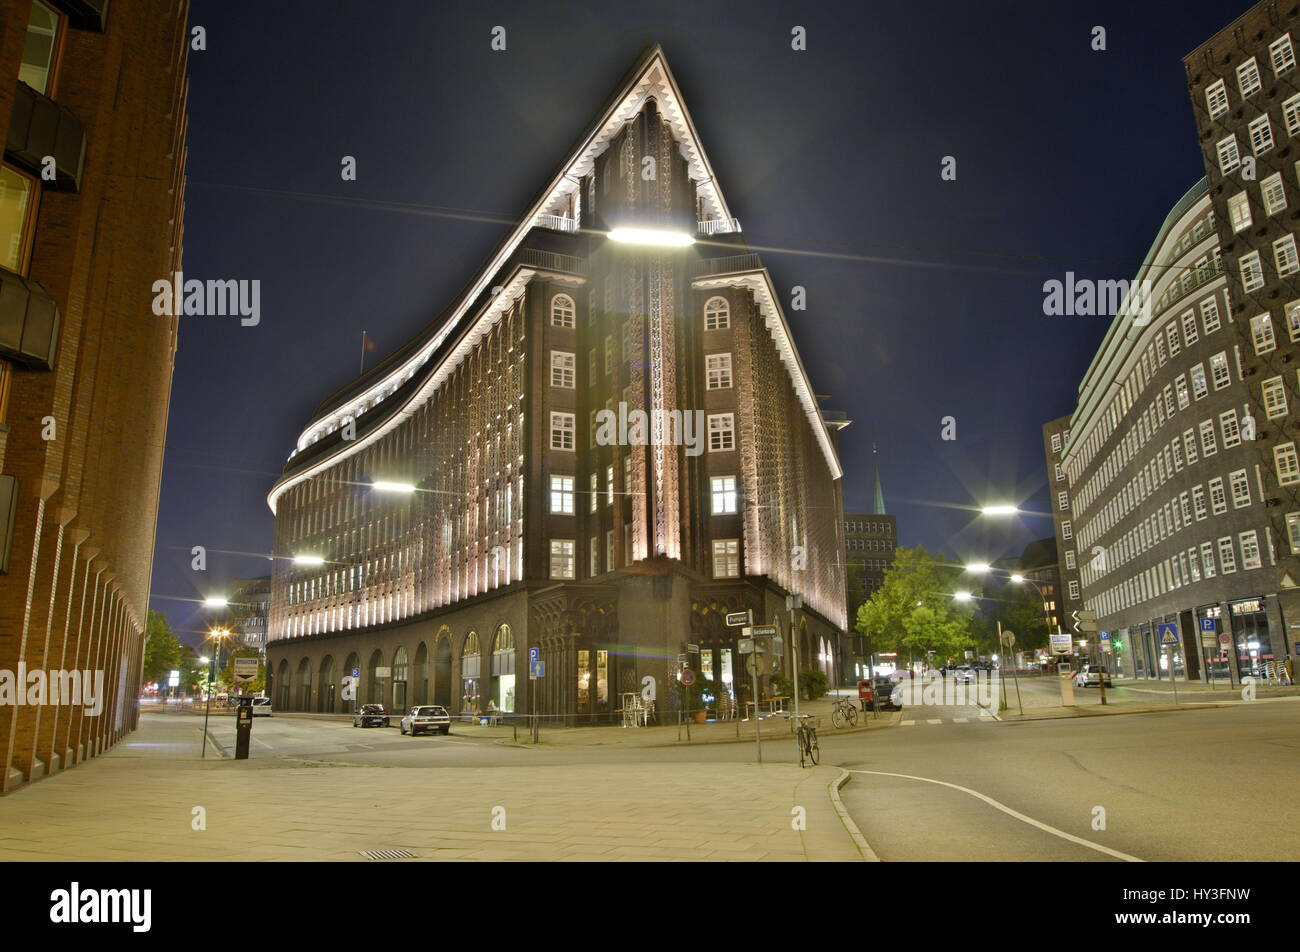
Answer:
[(1281, 56), (726, 556), (717, 313), (868, 545), (872, 526), (1178, 333), (1185, 568), (721, 431)]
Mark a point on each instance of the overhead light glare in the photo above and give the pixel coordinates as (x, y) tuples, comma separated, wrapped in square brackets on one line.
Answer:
[(651, 236)]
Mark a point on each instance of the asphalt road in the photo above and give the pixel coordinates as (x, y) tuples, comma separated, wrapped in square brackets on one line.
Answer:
[(1199, 784)]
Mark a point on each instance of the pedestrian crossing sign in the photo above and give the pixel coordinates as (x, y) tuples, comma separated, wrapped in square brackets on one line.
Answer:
[(1168, 636)]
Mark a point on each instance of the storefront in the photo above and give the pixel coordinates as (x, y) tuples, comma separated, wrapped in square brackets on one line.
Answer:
[(1214, 654), (1251, 635)]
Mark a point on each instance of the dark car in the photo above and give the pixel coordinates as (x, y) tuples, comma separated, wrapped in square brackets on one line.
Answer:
[(889, 694), (370, 715)]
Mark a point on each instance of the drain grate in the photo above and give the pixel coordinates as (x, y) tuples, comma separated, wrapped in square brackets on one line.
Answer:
[(387, 854)]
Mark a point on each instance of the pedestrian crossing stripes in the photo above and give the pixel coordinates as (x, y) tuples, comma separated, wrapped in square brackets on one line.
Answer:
[(952, 720)]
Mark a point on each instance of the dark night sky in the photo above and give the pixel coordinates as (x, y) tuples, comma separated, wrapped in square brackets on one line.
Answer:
[(924, 296)]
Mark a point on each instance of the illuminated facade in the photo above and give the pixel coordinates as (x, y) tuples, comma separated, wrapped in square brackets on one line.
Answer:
[(594, 452)]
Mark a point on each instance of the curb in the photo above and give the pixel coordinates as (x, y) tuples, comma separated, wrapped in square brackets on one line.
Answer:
[(860, 841), (1189, 706)]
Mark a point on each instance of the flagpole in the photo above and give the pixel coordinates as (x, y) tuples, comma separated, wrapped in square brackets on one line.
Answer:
[(363, 353)]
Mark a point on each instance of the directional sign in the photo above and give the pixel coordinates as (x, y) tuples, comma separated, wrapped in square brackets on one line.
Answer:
[(534, 654), (536, 669), (245, 670), (688, 677), (1084, 621), (1207, 624), (1061, 644), (740, 619), (1168, 635)]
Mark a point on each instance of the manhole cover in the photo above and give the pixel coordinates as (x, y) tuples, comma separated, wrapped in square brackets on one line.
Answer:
[(388, 854)]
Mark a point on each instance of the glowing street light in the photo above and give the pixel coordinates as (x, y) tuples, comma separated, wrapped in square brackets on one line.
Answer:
[(979, 568), (386, 487), (651, 236), (1000, 510), (963, 596), (215, 601), (308, 560)]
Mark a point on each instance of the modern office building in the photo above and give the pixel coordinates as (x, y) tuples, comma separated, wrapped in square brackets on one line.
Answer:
[(250, 605), (1162, 511), (601, 447), (1040, 563), (91, 204), (1069, 588), (1245, 91)]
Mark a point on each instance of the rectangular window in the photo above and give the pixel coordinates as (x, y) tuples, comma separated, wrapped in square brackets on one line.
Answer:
[(562, 495), (1074, 589), (1185, 508), (717, 314), (1284, 255), (1239, 211), (562, 369), (562, 311), (1250, 550), (718, 369), (1190, 336), (562, 558), (1180, 388), (1240, 486), (1248, 78), (1218, 501), (1056, 442), (1160, 350), (1207, 558), (562, 431), (593, 557), (609, 354), (1293, 531), (1210, 315), (1286, 464), (1261, 332), (1274, 194), (609, 485), (1252, 272), (1227, 556), (1067, 531), (1292, 312), (1063, 500), (1261, 134), (1229, 429), (609, 550), (1069, 559), (1229, 157), (1209, 446), (18, 200), (1169, 395), (1219, 370), (722, 432), (723, 490), (1291, 114), (1216, 99), (591, 367), (1199, 386), (1281, 54), (726, 558), (1175, 345), (1274, 394), (40, 48), (593, 491)]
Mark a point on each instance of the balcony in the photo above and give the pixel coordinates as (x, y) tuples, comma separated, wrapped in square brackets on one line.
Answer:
[(728, 265), (39, 127), (550, 261), (556, 223), (29, 322), (718, 226)]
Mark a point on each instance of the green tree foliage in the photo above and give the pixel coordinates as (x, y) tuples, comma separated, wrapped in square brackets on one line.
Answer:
[(914, 611), (162, 651)]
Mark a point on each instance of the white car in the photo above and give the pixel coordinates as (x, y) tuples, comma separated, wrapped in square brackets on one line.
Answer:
[(261, 707), (1090, 676), (964, 674), (427, 717)]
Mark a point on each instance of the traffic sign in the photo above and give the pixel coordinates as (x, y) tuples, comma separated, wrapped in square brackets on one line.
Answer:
[(740, 619), (761, 631), (1103, 641), (1207, 624), (536, 669), (1008, 637), (1084, 620), (745, 646), (534, 654), (1060, 643), (687, 677), (1225, 640), (1168, 635), (245, 670), (356, 672)]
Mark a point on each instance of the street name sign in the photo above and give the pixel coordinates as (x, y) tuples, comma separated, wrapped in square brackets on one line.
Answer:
[(740, 619), (761, 631)]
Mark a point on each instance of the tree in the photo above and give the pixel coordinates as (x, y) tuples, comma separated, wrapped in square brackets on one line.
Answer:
[(914, 610), (162, 651)]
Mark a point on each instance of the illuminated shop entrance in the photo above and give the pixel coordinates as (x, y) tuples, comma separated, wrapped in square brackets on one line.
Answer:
[(593, 681), (503, 669), (1251, 635)]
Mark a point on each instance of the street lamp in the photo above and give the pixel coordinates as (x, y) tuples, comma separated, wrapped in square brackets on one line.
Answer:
[(1000, 511), (217, 635), (651, 236)]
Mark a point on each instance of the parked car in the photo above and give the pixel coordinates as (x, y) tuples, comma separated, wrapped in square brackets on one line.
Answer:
[(261, 706), (963, 674), (430, 717), (890, 692), (1090, 676), (370, 715)]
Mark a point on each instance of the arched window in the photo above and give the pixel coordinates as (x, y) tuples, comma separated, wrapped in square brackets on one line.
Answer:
[(563, 311), (503, 669), (717, 314), (469, 673)]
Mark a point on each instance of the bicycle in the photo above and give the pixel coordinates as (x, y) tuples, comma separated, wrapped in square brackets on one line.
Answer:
[(806, 734), (844, 713)]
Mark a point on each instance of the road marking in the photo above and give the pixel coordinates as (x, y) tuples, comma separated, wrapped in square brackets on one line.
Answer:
[(960, 720), (907, 723), (1014, 813), (935, 720)]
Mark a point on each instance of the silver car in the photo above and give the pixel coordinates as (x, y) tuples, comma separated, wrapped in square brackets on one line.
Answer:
[(964, 674), (427, 717)]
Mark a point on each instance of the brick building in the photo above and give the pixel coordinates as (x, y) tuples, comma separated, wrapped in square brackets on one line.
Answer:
[(487, 490), (91, 202)]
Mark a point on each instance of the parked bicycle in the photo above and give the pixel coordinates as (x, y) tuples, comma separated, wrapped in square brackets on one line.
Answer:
[(806, 735), (844, 714)]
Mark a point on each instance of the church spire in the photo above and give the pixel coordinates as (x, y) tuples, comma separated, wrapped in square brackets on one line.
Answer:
[(878, 507)]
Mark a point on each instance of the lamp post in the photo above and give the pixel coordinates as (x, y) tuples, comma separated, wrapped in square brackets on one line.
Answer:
[(793, 603), (217, 635)]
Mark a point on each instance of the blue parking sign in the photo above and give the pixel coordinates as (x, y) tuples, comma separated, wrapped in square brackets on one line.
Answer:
[(1207, 624)]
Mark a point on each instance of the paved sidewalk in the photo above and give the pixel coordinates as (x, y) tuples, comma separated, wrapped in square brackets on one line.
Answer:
[(138, 802)]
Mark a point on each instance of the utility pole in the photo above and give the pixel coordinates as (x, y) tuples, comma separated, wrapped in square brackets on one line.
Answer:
[(793, 603)]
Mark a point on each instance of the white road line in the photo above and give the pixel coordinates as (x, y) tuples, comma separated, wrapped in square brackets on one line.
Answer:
[(1014, 813), (960, 720), (907, 723), (935, 720)]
